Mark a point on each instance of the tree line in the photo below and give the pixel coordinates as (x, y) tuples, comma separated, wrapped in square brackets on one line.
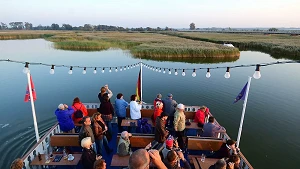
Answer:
[(85, 27)]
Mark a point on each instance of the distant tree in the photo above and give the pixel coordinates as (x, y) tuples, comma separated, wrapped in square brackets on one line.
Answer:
[(88, 27), (28, 26), (167, 28), (16, 25), (273, 29), (55, 26), (3, 26), (158, 29), (192, 26), (67, 27), (149, 29)]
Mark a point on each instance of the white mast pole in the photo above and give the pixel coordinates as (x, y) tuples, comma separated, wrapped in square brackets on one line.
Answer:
[(243, 112), (141, 67), (33, 109)]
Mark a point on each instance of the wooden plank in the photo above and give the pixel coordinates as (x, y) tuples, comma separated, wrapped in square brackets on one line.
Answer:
[(207, 163), (204, 144), (65, 162), (196, 164), (193, 125), (64, 140), (118, 161), (126, 122), (139, 141)]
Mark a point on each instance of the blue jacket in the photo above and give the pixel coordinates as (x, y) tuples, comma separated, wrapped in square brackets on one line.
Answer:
[(169, 106), (120, 107), (212, 130), (64, 118)]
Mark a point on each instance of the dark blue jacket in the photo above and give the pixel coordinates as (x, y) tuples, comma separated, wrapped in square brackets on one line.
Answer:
[(64, 118), (169, 106)]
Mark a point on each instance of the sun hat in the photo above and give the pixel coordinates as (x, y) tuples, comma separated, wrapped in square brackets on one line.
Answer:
[(180, 106)]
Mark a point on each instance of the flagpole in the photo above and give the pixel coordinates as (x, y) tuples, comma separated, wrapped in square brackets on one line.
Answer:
[(33, 109), (243, 113), (141, 68)]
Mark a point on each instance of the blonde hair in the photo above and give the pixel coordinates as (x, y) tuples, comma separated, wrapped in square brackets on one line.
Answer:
[(85, 141), (95, 116), (17, 164)]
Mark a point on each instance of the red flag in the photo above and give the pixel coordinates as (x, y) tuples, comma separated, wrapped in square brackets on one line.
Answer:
[(27, 95), (138, 87)]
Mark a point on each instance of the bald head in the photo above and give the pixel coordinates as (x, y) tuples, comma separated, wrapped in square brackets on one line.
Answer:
[(139, 159)]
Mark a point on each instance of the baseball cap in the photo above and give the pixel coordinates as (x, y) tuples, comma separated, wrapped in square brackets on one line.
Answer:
[(170, 95), (180, 106)]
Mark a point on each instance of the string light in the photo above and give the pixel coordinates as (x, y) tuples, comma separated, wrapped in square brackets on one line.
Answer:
[(70, 71), (84, 71), (116, 69), (128, 67), (124, 68), (159, 70), (164, 71), (95, 70), (176, 73), (257, 74), (194, 73), (52, 70), (183, 73), (207, 73), (109, 70), (170, 71), (26, 69), (102, 70), (121, 69), (156, 69), (227, 74)]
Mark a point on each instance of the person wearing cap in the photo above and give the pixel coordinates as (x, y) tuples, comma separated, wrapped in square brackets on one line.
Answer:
[(64, 117), (179, 124), (170, 145), (169, 108), (124, 147), (160, 129)]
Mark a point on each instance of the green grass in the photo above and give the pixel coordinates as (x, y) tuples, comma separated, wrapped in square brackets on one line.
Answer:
[(82, 45)]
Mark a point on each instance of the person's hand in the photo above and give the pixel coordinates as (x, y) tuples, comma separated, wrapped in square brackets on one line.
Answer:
[(231, 165), (66, 106), (180, 155), (154, 154), (106, 86), (141, 102), (176, 144), (98, 157), (148, 146)]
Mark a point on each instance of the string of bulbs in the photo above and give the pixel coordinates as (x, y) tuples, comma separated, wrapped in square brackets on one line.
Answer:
[(256, 74)]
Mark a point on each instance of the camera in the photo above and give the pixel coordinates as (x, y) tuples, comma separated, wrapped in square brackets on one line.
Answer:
[(156, 145)]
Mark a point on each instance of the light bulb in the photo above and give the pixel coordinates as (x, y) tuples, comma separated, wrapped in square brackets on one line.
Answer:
[(164, 71), (121, 69), (124, 68), (116, 69), (194, 73), (257, 74), (109, 70), (183, 73), (26, 69), (102, 70), (52, 70), (156, 70), (208, 73), (159, 70), (84, 71), (70, 71), (95, 71), (153, 69), (227, 74), (170, 71), (176, 73)]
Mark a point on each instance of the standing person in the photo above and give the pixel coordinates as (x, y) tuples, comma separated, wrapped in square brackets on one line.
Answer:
[(160, 129), (88, 155), (63, 114), (107, 111), (86, 131), (135, 108), (120, 108), (157, 111), (158, 98), (211, 129), (179, 124), (200, 115), (79, 112), (170, 108), (104, 90), (99, 129)]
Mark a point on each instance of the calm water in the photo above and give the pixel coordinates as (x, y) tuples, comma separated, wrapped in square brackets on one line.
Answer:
[(270, 136)]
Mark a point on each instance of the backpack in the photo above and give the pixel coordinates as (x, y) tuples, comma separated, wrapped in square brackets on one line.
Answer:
[(144, 127), (78, 113)]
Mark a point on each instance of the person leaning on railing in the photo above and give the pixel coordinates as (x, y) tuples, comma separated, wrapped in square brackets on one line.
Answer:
[(211, 129), (63, 114)]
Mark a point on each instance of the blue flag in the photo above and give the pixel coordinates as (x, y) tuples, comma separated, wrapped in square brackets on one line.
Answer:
[(241, 94)]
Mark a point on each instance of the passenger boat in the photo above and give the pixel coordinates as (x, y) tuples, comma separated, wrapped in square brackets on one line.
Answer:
[(50, 141)]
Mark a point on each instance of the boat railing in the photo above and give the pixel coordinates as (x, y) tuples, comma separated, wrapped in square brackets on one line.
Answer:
[(42, 146)]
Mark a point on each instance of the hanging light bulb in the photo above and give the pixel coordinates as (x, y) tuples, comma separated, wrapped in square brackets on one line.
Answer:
[(26, 69), (109, 70), (194, 73), (84, 71), (257, 74), (70, 71), (208, 73), (52, 70), (227, 74), (102, 70), (128, 67), (95, 70), (131, 67), (159, 70), (183, 73), (170, 71), (164, 71), (121, 69), (156, 69), (176, 73), (116, 69), (124, 68), (153, 69)]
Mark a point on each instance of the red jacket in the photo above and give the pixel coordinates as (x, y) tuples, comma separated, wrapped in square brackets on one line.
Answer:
[(79, 106), (200, 116)]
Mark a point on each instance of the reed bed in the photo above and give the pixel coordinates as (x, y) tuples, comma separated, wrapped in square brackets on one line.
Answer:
[(279, 46), (82, 45)]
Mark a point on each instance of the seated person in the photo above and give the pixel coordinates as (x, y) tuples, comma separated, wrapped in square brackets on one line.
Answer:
[(235, 160), (140, 159), (88, 154), (211, 129), (170, 145), (226, 150), (221, 164), (200, 115), (173, 160), (124, 147), (160, 129)]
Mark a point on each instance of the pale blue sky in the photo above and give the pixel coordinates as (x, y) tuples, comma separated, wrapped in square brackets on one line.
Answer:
[(155, 13)]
